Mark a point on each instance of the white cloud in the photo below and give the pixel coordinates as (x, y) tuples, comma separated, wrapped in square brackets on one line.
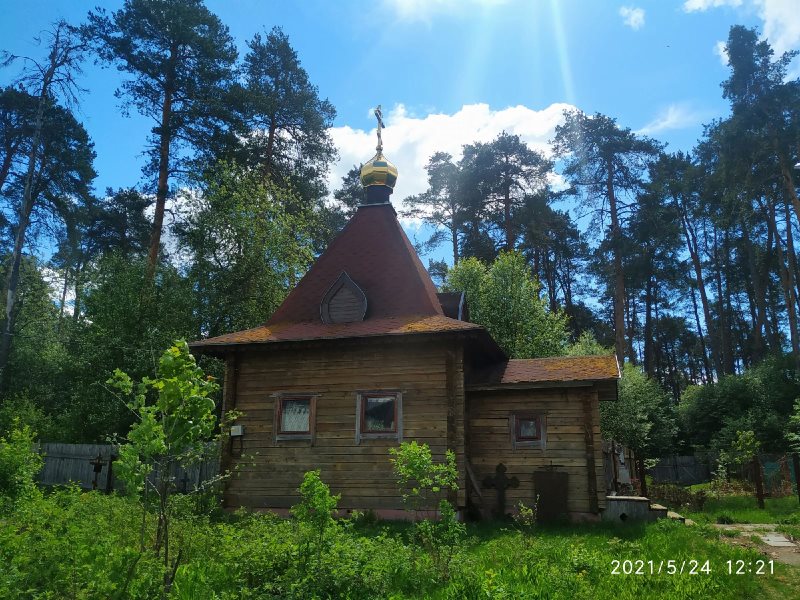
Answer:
[(722, 52), (423, 10), (410, 141), (703, 5), (632, 17), (674, 116), (780, 22)]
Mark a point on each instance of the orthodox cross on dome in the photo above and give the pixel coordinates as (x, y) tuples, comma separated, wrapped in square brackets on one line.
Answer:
[(379, 116)]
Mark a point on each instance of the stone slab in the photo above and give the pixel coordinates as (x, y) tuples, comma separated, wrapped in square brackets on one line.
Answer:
[(776, 540)]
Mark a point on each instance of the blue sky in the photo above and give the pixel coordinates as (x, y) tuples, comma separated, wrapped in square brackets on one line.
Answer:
[(449, 72)]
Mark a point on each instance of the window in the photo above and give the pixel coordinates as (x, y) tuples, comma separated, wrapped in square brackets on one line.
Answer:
[(528, 430), (294, 416), (379, 415)]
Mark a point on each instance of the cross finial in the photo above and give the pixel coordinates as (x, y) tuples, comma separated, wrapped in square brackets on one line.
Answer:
[(379, 116)]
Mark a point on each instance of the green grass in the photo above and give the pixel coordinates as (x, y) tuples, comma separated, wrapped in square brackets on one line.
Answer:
[(84, 546), (744, 509)]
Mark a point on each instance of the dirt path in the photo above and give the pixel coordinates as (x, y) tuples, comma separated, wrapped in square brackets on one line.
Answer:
[(764, 537)]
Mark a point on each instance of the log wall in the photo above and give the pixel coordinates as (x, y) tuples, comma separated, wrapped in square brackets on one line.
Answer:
[(565, 448), (271, 470)]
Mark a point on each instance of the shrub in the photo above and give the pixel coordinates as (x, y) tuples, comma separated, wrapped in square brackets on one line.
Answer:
[(315, 513), (19, 464), (526, 515), (678, 496), (419, 478), (441, 538)]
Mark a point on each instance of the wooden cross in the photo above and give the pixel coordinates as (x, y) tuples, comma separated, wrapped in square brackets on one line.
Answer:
[(185, 482), (501, 483), (379, 116), (98, 464)]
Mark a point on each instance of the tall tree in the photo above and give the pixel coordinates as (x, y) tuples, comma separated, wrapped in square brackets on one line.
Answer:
[(439, 206), (180, 57), (286, 122), (46, 80), (246, 249), (606, 165), (351, 194), (17, 120), (503, 174), (760, 96)]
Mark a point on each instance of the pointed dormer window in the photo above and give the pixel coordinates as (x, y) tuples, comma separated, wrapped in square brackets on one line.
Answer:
[(344, 302)]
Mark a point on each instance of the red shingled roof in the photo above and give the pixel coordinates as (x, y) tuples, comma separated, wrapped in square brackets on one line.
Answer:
[(283, 332), (518, 372), (375, 252)]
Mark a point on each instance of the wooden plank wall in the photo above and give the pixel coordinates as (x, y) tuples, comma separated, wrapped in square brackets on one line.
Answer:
[(565, 447), (272, 471), (70, 463)]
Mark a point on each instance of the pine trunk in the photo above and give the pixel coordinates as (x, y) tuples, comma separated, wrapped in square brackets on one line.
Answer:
[(619, 274), (162, 189)]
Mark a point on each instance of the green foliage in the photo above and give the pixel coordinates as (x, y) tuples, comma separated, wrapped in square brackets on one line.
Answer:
[(743, 449), (587, 345), (420, 478), (760, 400), (504, 298), (315, 513), (793, 433), (441, 538), (525, 517), (176, 426), (20, 411), (642, 418), (19, 464), (257, 556), (676, 496), (247, 248)]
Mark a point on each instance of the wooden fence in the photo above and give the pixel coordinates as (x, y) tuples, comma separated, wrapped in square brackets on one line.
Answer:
[(92, 466), (684, 470)]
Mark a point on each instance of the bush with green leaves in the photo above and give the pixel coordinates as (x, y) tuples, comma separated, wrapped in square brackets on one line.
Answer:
[(504, 298), (175, 423), (420, 479), (19, 464), (315, 514)]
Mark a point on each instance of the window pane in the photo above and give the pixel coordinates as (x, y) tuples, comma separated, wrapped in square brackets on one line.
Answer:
[(528, 428), (379, 413), (295, 415)]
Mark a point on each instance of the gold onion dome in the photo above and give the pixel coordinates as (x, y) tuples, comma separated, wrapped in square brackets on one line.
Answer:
[(378, 171)]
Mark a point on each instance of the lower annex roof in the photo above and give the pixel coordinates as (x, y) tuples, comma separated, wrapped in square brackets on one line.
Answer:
[(555, 370)]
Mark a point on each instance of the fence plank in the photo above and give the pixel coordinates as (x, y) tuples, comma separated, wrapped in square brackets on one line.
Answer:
[(71, 463)]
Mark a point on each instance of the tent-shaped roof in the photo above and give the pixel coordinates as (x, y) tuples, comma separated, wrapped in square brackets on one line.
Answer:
[(377, 255)]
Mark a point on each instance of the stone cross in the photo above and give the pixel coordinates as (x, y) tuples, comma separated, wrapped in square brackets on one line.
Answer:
[(501, 483)]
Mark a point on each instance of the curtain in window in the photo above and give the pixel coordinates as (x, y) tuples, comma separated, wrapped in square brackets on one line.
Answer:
[(379, 413), (528, 429), (295, 415)]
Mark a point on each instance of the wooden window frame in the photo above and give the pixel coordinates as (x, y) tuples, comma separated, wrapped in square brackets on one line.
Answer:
[(361, 405), (515, 423), (280, 398)]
